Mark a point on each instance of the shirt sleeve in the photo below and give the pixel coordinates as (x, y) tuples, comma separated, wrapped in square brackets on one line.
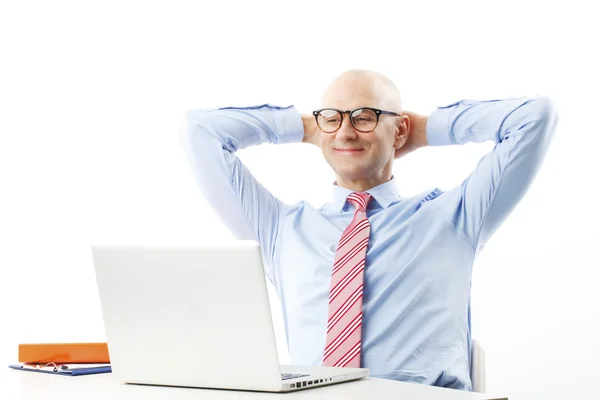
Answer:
[(522, 129), (210, 138)]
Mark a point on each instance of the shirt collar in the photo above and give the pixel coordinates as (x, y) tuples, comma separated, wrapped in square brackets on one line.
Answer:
[(385, 194)]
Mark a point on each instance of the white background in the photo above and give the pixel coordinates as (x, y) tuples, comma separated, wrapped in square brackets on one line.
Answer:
[(91, 95)]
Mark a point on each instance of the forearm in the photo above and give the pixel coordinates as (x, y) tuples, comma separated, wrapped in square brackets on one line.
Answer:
[(240, 127), (470, 121)]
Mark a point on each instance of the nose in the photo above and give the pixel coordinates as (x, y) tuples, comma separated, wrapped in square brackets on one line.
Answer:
[(346, 131)]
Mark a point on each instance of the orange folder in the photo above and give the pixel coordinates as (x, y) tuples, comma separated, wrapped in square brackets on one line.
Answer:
[(64, 353)]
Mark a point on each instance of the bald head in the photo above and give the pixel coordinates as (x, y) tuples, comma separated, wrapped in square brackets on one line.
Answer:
[(360, 88), (362, 158)]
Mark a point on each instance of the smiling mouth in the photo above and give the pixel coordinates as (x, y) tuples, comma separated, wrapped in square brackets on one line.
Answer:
[(348, 150)]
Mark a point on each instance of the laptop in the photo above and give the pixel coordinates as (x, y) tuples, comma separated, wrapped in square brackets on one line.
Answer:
[(196, 316)]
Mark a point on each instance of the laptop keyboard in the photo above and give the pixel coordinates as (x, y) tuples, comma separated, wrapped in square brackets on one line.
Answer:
[(292, 376)]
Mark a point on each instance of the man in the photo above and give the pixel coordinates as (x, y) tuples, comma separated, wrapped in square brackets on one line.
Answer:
[(373, 279)]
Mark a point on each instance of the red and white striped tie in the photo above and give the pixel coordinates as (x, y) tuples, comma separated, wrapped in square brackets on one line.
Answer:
[(343, 345)]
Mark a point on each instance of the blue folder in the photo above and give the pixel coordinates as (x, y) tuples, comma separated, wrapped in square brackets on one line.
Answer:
[(65, 369)]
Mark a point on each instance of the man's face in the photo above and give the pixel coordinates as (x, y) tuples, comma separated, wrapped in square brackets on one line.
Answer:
[(355, 155)]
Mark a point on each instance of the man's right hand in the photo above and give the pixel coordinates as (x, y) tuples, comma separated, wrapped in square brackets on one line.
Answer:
[(310, 129)]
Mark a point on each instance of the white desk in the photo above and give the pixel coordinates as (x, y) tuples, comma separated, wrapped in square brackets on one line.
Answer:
[(20, 385)]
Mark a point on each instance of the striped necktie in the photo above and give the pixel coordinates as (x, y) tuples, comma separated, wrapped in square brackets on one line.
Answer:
[(343, 344)]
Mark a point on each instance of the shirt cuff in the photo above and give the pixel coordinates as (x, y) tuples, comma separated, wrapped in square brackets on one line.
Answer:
[(289, 125), (438, 127)]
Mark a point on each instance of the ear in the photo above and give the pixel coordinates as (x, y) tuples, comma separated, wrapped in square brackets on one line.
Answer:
[(401, 131)]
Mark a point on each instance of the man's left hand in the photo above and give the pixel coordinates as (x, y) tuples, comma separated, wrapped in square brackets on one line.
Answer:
[(417, 134)]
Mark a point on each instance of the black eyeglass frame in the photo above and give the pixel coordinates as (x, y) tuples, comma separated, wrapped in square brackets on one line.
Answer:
[(377, 112)]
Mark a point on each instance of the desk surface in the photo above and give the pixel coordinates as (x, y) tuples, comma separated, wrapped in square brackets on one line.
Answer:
[(20, 385)]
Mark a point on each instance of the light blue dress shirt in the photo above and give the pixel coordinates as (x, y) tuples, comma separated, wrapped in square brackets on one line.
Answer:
[(416, 305)]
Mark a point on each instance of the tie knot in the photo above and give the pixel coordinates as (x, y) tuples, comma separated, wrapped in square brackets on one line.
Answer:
[(359, 200)]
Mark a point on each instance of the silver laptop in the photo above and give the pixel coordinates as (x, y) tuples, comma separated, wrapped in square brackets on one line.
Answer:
[(196, 317)]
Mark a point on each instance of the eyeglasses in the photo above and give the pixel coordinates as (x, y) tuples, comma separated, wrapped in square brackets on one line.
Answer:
[(364, 119)]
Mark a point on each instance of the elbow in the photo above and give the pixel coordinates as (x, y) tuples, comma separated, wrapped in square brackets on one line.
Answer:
[(545, 115), (191, 132), (186, 126), (188, 123), (535, 123)]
